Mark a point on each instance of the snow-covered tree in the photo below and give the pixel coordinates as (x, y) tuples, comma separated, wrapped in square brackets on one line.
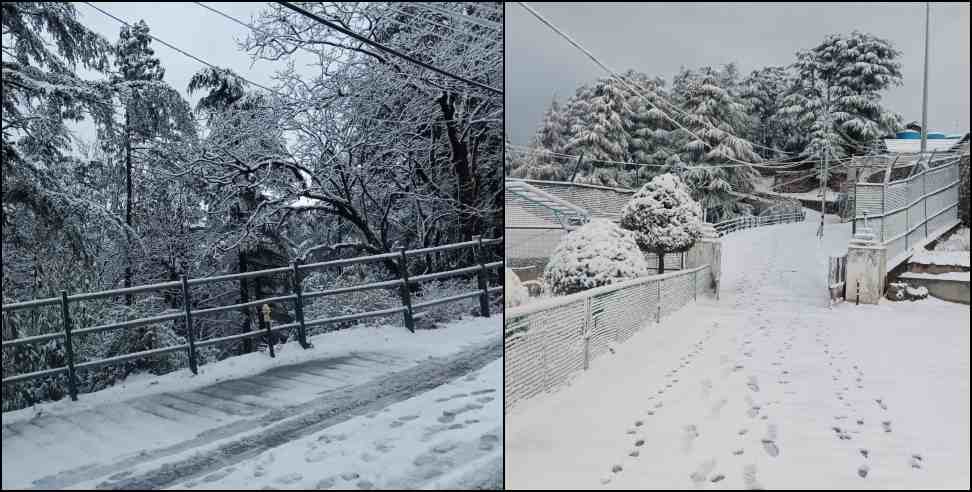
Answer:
[(596, 254), (514, 291), (663, 217), (717, 118), (836, 97), (762, 92)]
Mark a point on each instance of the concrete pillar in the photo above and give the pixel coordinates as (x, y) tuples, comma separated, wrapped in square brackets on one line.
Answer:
[(866, 268)]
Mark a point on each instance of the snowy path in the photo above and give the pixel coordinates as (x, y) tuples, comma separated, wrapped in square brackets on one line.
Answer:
[(179, 428), (765, 388)]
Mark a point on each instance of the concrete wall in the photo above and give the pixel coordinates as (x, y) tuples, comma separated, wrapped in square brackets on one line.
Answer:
[(946, 290)]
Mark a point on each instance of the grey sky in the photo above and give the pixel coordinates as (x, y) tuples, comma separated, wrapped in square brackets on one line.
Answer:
[(659, 38)]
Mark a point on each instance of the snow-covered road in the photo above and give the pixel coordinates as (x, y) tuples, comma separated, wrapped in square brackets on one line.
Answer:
[(370, 407), (767, 387)]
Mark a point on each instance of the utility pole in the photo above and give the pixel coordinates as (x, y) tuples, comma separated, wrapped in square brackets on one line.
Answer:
[(924, 87)]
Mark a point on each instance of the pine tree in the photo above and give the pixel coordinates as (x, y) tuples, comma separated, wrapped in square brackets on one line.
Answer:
[(836, 96), (762, 92), (716, 118)]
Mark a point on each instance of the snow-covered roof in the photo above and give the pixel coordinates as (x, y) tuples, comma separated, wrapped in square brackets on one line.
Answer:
[(907, 146), (529, 206), (598, 201)]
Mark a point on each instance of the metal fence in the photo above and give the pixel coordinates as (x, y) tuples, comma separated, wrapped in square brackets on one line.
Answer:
[(546, 342), (299, 296), (752, 221), (909, 205)]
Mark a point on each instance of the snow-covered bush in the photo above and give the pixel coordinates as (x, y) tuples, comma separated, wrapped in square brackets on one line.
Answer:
[(663, 217), (599, 253), (917, 293), (514, 291)]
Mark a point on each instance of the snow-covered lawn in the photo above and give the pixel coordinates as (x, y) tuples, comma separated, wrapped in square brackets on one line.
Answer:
[(767, 387), (353, 383)]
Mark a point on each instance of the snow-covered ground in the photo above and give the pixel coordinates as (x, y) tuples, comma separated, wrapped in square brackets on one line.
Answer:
[(767, 387), (343, 407)]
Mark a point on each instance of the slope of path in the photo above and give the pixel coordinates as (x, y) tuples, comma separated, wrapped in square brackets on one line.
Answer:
[(64, 448), (449, 436), (766, 387)]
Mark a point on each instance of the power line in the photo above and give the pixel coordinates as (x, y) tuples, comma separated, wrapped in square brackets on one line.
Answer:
[(488, 24), (184, 53), (387, 49), (431, 22)]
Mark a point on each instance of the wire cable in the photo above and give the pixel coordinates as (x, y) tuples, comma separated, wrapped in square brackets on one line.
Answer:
[(382, 47)]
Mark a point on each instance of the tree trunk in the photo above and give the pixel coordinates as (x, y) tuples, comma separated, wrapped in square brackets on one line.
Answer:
[(460, 163), (661, 263), (247, 345), (129, 298)]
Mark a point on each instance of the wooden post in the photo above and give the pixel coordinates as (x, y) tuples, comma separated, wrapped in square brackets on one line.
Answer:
[(189, 331), (266, 323), (406, 293), (299, 305), (69, 348)]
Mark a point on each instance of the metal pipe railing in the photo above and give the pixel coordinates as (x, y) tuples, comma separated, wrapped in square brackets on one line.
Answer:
[(298, 297)]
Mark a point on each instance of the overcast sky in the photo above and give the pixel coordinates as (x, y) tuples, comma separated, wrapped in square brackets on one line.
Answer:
[(659, 38)]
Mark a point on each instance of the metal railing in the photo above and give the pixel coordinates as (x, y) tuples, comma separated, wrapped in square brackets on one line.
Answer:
[(910, 205), (298, 296), (549, 340), (751, 221)]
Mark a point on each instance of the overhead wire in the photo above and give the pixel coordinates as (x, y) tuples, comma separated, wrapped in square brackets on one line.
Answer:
[(387, 49)]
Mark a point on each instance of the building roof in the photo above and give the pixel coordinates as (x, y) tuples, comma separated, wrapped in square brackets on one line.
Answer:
[(599, 201), (908, 146), (529, 206)]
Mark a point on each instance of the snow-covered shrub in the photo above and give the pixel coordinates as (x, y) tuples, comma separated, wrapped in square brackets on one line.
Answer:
[(513, 290), (599, 253), (663, 217), (896, 291), (916, 293)]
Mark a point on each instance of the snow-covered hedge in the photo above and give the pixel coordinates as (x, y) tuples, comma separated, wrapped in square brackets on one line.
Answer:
[(513, 290), (599, 253), (663, 216)]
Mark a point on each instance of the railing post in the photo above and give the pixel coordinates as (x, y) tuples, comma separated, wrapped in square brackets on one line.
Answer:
[(267, 323), (69, 348), (658, 316), (189, 331), (587, 332), (406, 292), (695, 285), (299, 305), (481, 278)]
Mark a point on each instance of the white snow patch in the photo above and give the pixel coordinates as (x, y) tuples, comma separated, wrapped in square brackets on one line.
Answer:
[(951, 276), (941, 258)]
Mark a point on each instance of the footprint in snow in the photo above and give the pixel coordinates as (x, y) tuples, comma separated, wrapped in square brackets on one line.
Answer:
[(702, 472), (916, 461)]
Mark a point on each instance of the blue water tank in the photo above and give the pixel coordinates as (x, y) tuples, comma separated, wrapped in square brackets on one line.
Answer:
[(909, 135), (936, 135)]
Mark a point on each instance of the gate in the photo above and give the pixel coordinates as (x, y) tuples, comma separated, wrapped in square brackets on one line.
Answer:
[(837, 279)]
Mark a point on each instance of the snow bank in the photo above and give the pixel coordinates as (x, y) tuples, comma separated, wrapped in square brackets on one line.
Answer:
[(953, 276), (941, 258), (599, 253), (515, 292), (958, 242)]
